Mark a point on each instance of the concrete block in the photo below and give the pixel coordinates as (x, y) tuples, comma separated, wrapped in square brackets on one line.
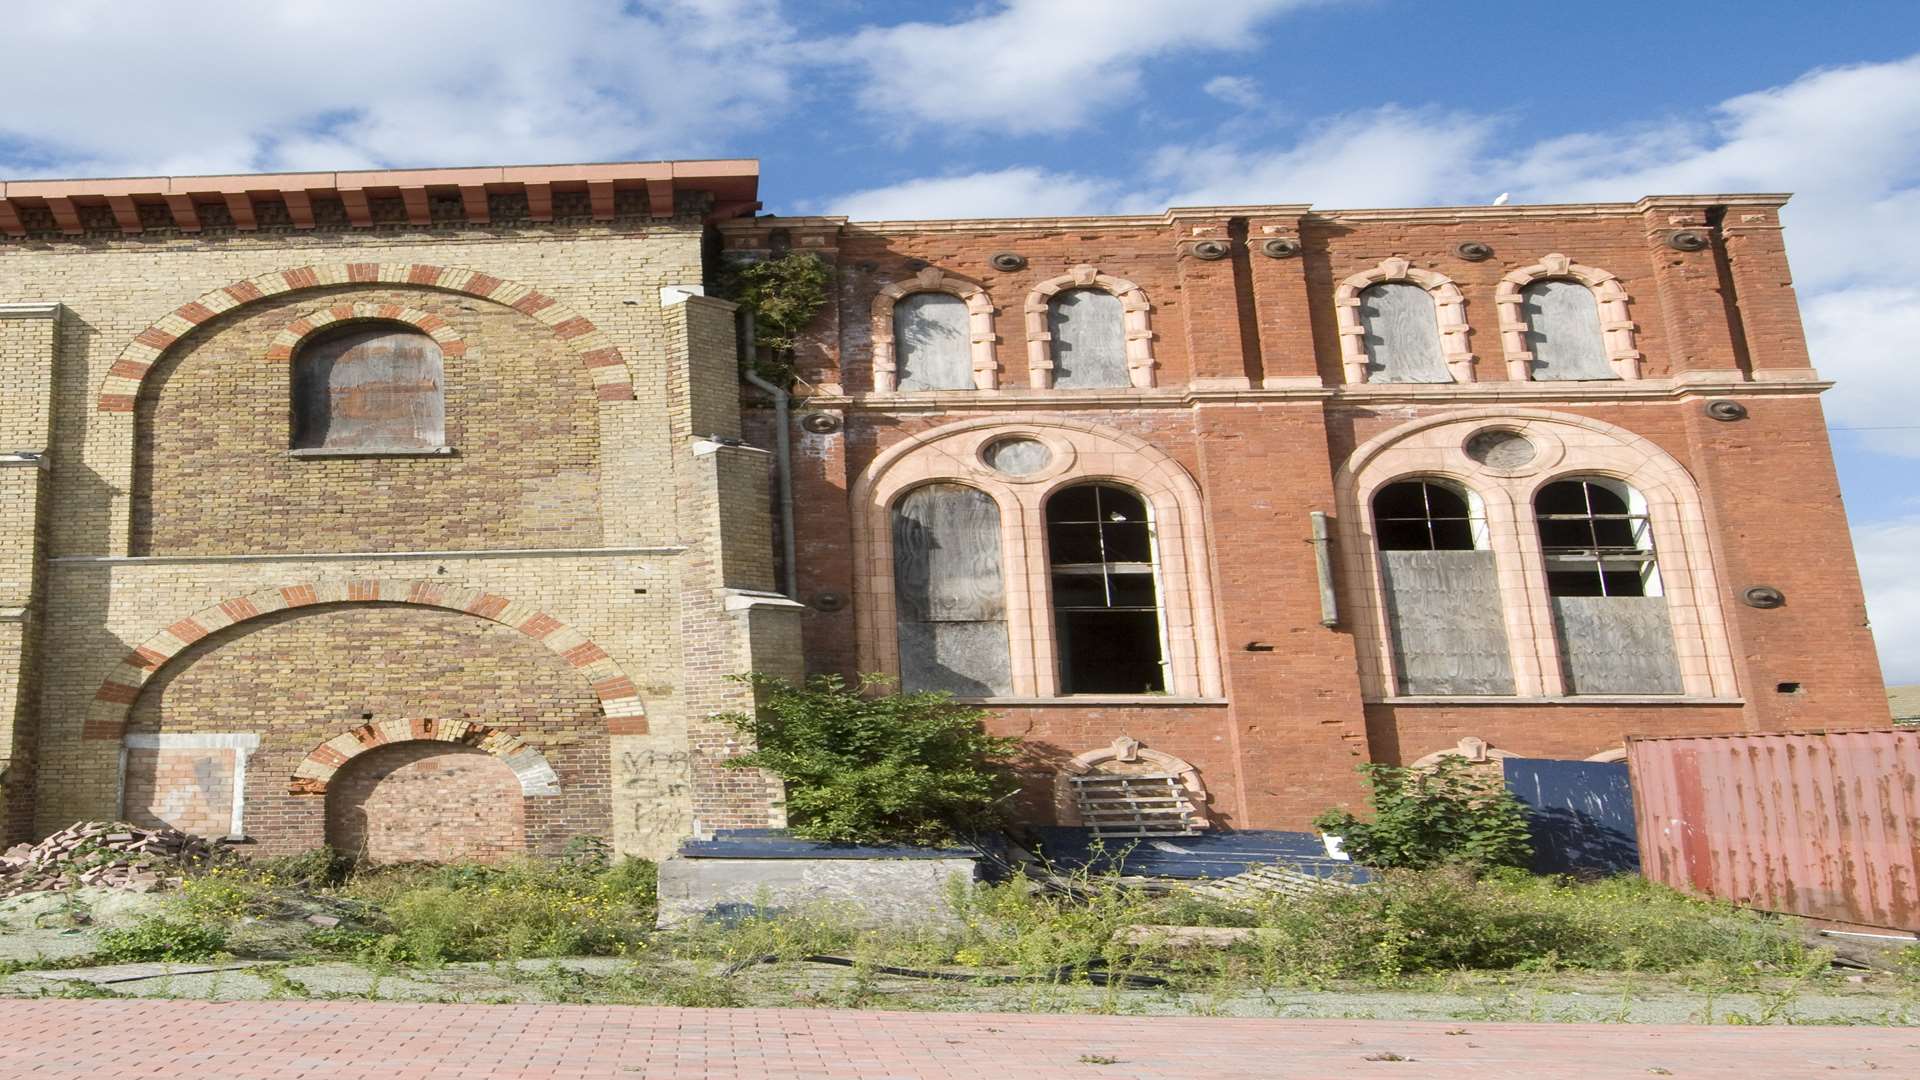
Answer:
[(866, 892)]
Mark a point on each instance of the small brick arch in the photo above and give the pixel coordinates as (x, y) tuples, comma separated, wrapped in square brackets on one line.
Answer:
[(1128, 750), (619, 698), (597, 352), (1134, 309), (284, 343), (1616, 324), (529, 766), (980, 336), (1450, 307)]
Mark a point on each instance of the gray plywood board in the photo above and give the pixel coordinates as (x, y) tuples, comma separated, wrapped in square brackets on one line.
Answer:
[(1089, 339), (965, 658), (1445, 615), (930, 343), (1563, 332), (950, 598), (1617, 644), (1402, 335)]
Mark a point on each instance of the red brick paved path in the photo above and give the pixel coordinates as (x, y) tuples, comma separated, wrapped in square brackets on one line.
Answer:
[(283, 1040)]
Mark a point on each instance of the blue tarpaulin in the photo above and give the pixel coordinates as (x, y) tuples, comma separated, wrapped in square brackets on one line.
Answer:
[(1579, 812), (1207, 855)]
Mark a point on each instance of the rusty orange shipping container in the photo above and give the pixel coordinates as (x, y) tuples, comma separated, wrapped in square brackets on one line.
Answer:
[(1823, 824)]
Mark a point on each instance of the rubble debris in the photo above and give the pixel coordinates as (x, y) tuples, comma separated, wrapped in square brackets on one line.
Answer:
[(1263, 881), (109, 854)]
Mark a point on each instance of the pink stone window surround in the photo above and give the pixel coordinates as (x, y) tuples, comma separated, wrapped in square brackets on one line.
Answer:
[(1568, 446), (1135, 312), (980, 311), (1450, 309), (1616, 323), (1080, 453)]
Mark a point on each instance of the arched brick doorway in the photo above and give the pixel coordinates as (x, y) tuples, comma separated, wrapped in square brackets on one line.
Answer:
[(426, 801)]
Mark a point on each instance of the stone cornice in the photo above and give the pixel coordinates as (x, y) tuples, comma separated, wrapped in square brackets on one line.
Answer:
[(51, 310)]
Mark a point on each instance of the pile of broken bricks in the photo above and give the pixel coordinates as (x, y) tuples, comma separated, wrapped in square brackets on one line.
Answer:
[(109, 854)]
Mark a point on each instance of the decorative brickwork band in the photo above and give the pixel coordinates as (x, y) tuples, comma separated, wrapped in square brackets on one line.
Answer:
[(1615, 324), (597, 352), (317, 770), (107, 714), (980, 336), (288, 340), (1450, 307), (1133, 305)]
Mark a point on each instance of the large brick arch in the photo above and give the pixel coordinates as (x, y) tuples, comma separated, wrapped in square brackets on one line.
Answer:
[(597, 352), (619, 698), (529, 766)]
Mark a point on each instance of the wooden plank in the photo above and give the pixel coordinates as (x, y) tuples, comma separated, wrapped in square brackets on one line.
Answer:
[(1617, 644), (1089, 340), (1402, 335), (931, 343), (1447, 623), (1563, 332)]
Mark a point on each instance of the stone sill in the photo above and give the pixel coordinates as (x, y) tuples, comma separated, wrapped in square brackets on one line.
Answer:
[(1583, 699), (333, 452), (1068, 701)]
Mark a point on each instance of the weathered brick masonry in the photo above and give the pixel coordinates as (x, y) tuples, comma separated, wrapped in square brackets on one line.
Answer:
[(518, 628), (364, 642), (1255, 392)]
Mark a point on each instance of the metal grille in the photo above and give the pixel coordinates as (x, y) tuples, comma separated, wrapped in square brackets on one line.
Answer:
[(1137, 805)]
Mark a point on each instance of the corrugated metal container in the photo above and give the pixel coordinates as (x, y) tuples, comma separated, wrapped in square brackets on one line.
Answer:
[(1822, 824)]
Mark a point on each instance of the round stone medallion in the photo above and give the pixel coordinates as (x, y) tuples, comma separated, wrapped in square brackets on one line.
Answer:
[(1017, 455), (1500, 449)]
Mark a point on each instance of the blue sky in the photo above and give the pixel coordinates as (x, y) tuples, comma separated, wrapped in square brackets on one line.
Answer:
[(1058, 107)]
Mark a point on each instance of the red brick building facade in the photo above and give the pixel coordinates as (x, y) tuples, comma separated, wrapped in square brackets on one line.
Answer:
[(1263, 365)]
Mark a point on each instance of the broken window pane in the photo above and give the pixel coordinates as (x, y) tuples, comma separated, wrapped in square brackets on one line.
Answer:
[(1604, 580), (930, 343), (371, 387), (1106, 597), (949, 598)]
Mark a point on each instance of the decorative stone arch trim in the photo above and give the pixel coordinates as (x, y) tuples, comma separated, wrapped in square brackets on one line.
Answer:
[(1474, 750), (596, 351), (980, 335), (1565, 445), (1127, 750), (1134, 309), (107, 714), (1617, 754), (1450, 307), (1081, 452), (529, 766), (1616, 325), (288, 340)]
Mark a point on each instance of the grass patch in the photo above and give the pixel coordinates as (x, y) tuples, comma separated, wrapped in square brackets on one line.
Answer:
[(158, 938)]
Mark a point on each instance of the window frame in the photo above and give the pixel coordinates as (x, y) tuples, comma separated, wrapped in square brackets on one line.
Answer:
[(1106, 569), (1135, 313), (981, 338), (318, 337), (1617, 327), (1449, 310)]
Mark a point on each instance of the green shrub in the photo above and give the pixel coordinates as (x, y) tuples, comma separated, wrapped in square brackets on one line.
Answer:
[(523, 909), (784, 295), (1449, 813), (871, 768), (160, 938)]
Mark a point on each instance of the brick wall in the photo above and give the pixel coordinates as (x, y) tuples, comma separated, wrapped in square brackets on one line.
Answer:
[(427, 802)]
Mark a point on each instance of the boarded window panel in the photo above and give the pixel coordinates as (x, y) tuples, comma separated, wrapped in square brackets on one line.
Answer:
[(950, 600), (1449, 635), (1089, 339), (369, 388), (1402, 335), (1563, 332), (1617, 644), (931, 348)]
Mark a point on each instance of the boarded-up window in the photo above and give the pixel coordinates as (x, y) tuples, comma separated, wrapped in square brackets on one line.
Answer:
[(1604, 580), (1444, 613), (949, 600), (1563, 332), (1402, 335), (1089, 339), (931, 347), (1106, 601), (369, 387)]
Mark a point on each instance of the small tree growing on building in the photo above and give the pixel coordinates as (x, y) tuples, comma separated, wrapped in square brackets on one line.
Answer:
[(867, 767), (1448, 813), (784, 295)]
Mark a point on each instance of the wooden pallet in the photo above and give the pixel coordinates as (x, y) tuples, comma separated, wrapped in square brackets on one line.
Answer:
[(1115, 805)]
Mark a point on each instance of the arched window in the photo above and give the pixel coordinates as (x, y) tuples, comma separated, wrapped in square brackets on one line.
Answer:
[(369, 388), (1615, 633), (932, 342), (1402, 335), (1089, 335), (949, 597), (1106, 593), (1563, 331), (1444, 612)]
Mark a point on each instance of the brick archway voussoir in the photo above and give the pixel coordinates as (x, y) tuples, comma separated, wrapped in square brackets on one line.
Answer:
[(317, 769), (106, 717), (595, 350)]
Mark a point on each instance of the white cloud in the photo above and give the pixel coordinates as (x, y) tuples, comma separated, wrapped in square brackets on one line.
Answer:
[(1234, 90), (1037, 66), (363, 82), (1885, 550), (1016, 192)]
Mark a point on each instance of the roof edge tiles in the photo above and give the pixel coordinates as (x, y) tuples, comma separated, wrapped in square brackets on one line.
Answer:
[(732, 182)]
